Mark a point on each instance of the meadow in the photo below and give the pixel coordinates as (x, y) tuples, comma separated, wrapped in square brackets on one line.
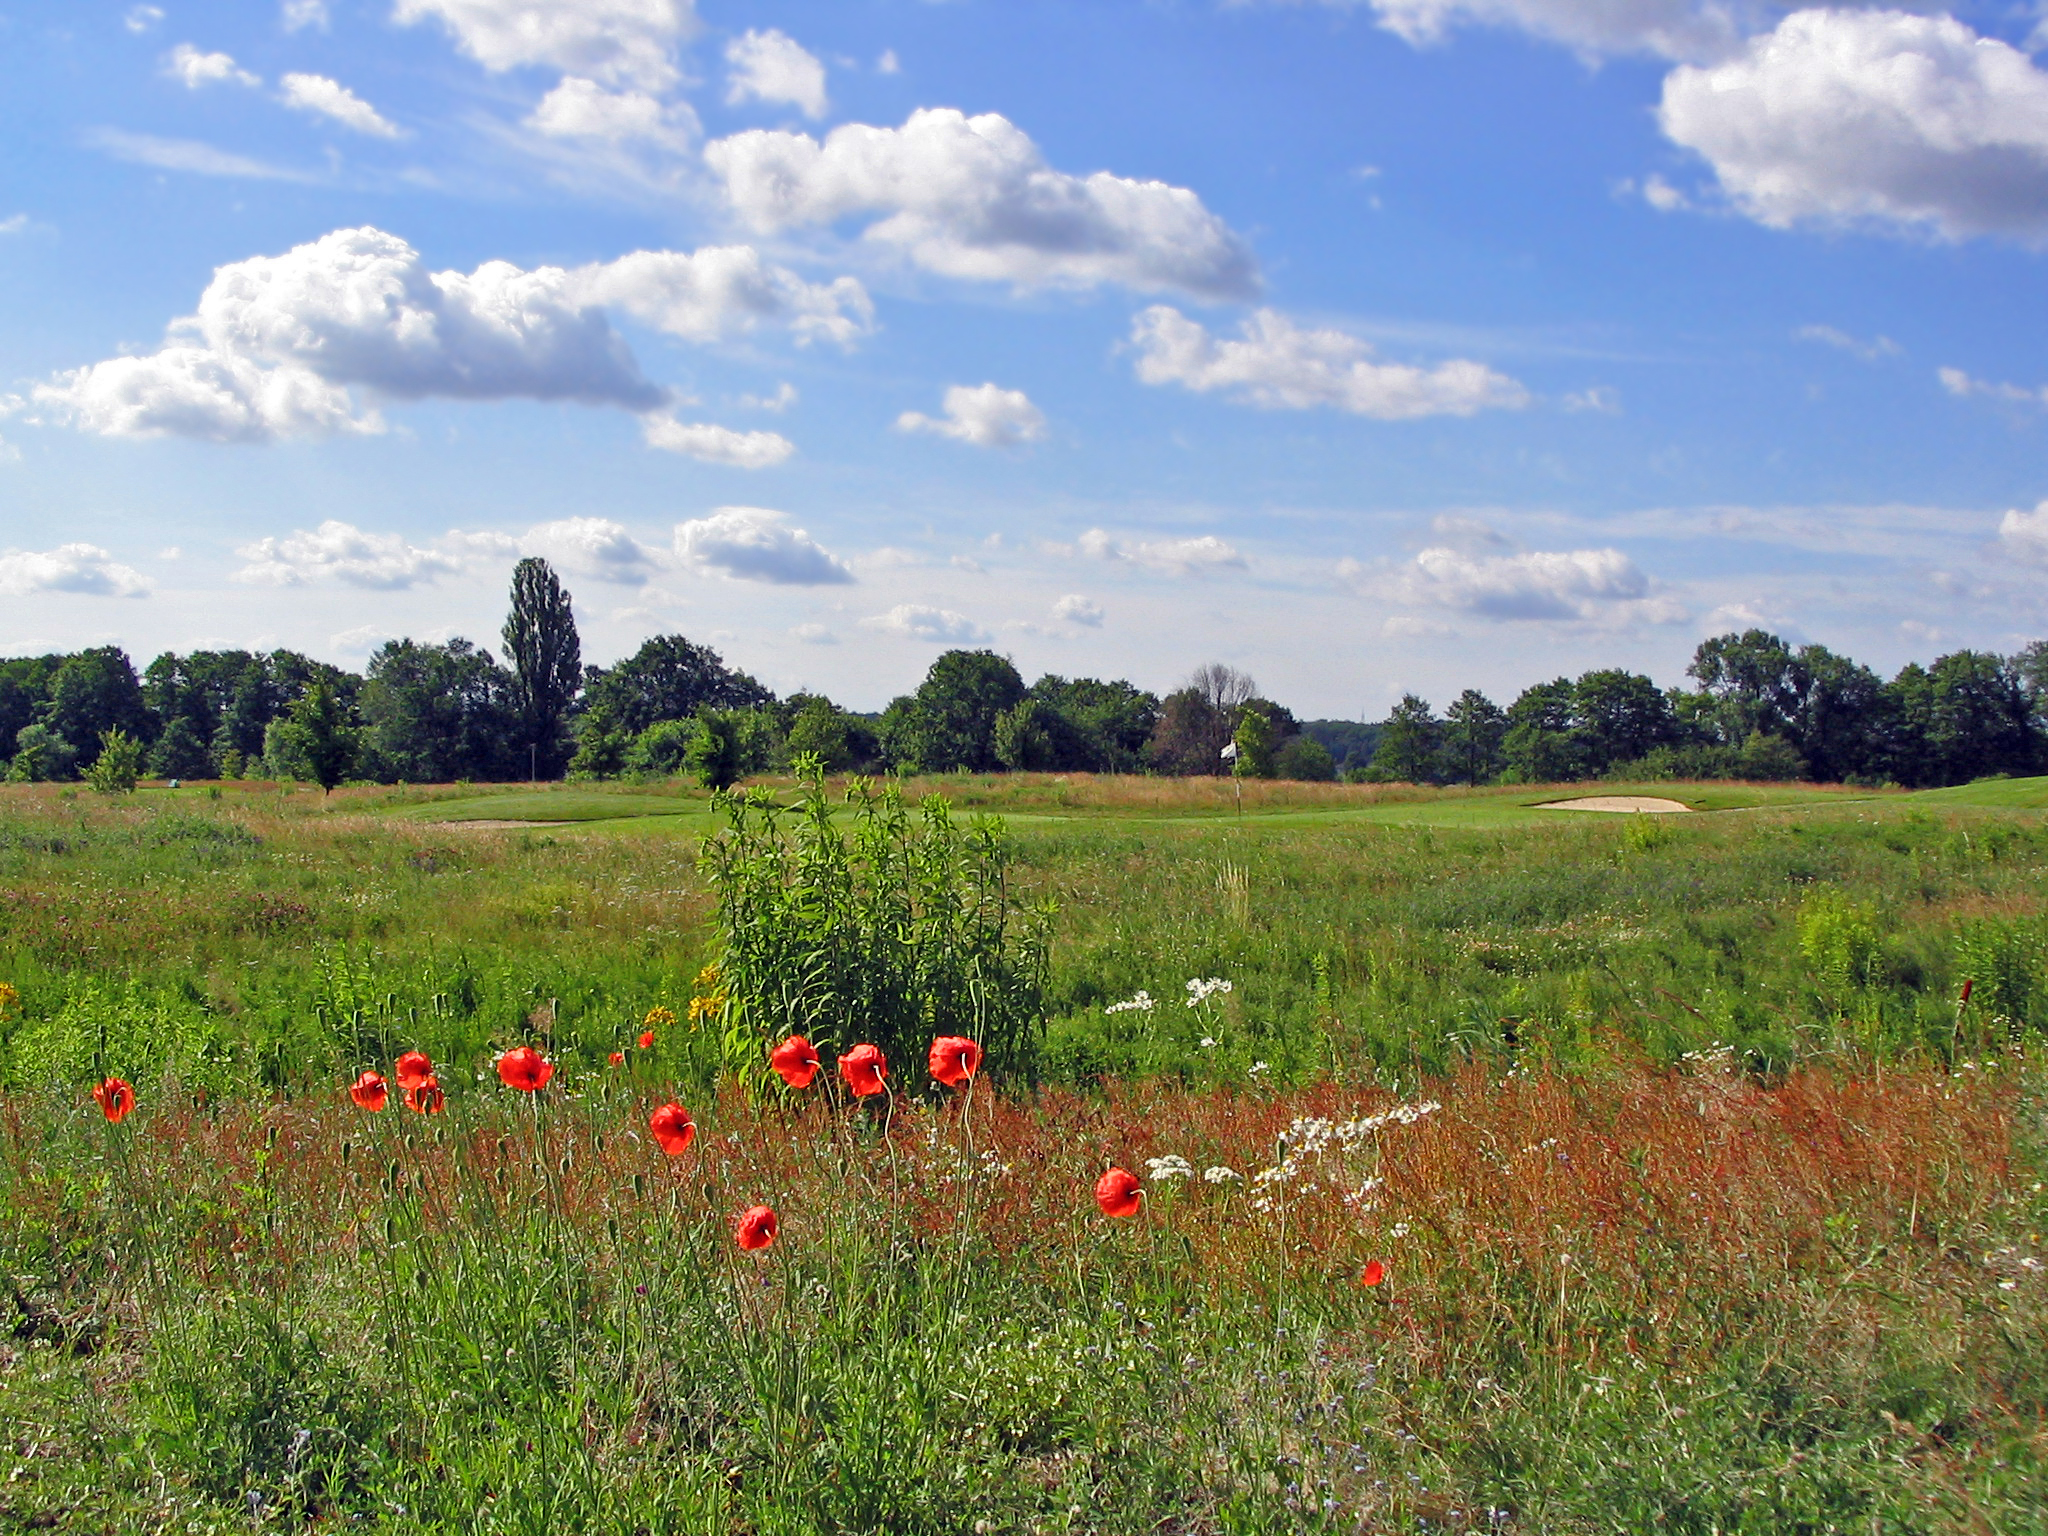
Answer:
[(1698, 1190)]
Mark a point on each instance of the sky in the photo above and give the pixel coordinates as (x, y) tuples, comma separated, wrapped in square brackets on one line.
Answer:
[(1370, 346)]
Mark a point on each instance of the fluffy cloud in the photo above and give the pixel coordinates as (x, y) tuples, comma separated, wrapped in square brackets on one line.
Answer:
[(193, 69), (84, 568), (985, 415), (1601, 586), (592, 546), (298, 15), (278, 341), (2024, 535), (756, 544), (583, 109), (972, 197), (1276, 364), (1076, 609), (622, 42), (723, 290), (1963, 387), (715, 444), (341, 551), (322, 97), (1873, 117), (915, 621), (771, 66), (1176, 557)]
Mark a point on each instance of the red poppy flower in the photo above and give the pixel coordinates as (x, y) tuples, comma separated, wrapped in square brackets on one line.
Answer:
[(756, 1228), (955, 1059), (864, 1067), (116, 1097), (795, 1060), (1372, 1274), (1118, 1192), (673, 1128), (412, 1068), (369, 1091), (525, 1068), (426, 1096), (647, 1041), (616, 1059)]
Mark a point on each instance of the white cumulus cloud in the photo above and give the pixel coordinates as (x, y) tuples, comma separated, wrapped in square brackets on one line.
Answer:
[(82, 568), (582, 109), (1076, 609), (194, 70), (916, 621), (629, 42), (595, 547), (279, 341), (1176, 557), (715, 444), (341, 551), (2024, 535), (772, 66), (972, 197), (985, 415), (1878, 118), (322, 97), (1601, 586), (1276, 364), (757, 544)]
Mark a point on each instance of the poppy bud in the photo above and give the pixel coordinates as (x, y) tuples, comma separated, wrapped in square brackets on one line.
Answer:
[(639, 1186), (116, 1098), (954, 1059), (525, 1068), (795, 1060), (1119, 1193), (864, 1067), (756, 1228), (672, 1128), (1372, 1274)]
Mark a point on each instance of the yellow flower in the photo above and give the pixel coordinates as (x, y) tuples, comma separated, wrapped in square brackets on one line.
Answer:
[(705, 1007), (659, 1017), (10, 999), (706, 983)]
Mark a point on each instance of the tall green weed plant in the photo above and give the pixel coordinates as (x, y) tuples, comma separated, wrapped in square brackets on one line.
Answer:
[(900, 928)]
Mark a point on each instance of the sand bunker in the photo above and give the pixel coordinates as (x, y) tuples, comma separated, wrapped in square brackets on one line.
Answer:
[(1650, 803)]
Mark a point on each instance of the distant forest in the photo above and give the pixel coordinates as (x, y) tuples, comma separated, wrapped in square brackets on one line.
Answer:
[(448, 711)]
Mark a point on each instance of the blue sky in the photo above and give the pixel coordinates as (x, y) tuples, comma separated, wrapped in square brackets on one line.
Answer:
[(1378, 346)]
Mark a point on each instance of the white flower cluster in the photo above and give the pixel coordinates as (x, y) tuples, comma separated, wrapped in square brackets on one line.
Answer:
[(1172, 1166), (1309, 1138), (1199, 991), (1142, 1003), (1221, 1175)]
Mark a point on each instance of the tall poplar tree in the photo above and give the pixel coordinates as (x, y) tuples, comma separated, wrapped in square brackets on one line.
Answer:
[(547, 662)]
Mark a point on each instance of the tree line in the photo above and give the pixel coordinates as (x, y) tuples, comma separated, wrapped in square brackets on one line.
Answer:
[(439, 712)]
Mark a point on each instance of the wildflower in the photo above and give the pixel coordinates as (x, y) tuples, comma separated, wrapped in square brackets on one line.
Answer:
[(425, 1096), (796, 1060), (1372, 1274), (1141, 1002), (1261, 1068), (116, 1098), (1199, 991), (673, 1128), (864, 1067), (616, 1059), (525, 1068), (705, 1007), (1171, 1166), (756, 1228), (413, 1068), (954, 1059), (658, 1017), (647, 1040), (1221, 1175), (1118, 1192), (369, 1091)]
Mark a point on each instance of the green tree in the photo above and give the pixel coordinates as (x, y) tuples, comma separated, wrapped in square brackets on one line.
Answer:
[(1619, 717), (326, 741), (1981, 721), (1025, 736), (41, 756), (668, 678), (1410, 744), (950, 723), (94, 692), (1540, 745), (601, 744), (1473, 728), (1841, 720), (181, 753), (547, 663), (1197, 721), (1304, 758), (1254, 742), (1753, 680), (821, 729), (118, 765), (432, 714)]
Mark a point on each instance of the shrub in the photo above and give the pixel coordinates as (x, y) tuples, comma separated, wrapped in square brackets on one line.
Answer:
[(906, 930), (119, 764)]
